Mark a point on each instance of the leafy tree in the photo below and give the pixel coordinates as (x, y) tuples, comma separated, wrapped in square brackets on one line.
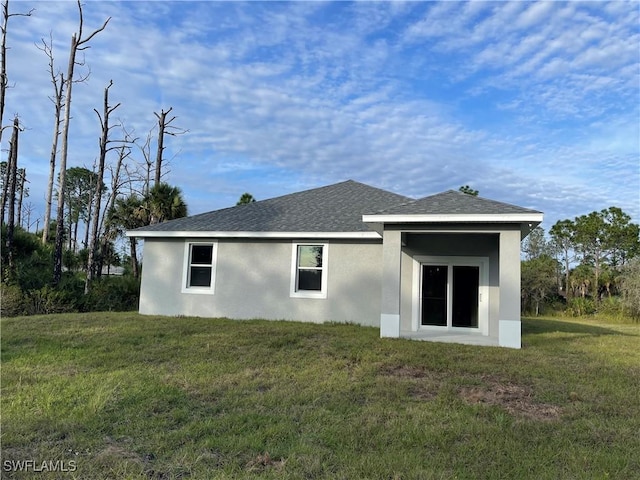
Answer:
[(538, 281), (562, 237), (246, 198), (535, 245), (623, 236), (629, 284), (605, 236), (592, 242), (468, 190)]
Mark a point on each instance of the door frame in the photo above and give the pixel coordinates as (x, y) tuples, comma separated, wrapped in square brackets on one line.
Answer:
[(450, 262)]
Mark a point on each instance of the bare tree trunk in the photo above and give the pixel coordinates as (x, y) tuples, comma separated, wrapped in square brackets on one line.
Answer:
[(162, 125), (3, 88), (115, 186), (74, 246), (3, 64), (22, 174), (70, 233), (28, 212), (57, 256), (87, 225), (134, 256), (4, 82), (146, 153), (12, 167), (77, 43), (115, 181), (97, 196), (164, 128), (5, 191), (54, 150)]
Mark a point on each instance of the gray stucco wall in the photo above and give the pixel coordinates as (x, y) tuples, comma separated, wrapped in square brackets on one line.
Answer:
[(253, 280)]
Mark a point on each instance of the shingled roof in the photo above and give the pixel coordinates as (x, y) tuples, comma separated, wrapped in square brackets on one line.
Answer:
[(454, 202), (334, 208), (343, 208)]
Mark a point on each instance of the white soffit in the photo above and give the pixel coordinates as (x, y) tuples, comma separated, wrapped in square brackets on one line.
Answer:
[(456, 218), (264, 235)]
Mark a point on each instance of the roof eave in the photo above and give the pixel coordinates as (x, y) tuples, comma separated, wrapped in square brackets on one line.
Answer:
[(455, 218), (527, 221), (257, 235)]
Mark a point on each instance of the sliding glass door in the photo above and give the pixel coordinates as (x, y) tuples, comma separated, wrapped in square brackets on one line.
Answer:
[(450, 293)]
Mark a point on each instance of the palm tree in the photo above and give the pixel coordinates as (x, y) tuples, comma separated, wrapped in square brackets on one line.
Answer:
[(165, 202), (129, 213), (162, 203), (246, 198)]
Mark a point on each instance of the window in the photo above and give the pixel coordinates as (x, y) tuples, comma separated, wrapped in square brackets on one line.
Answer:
[(199, 271), (308, 271)]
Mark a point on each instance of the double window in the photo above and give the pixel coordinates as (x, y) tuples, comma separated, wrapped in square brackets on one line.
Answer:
[(200, 267), (308, 270)]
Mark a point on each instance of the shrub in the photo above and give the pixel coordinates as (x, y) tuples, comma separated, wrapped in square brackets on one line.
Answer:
[(11, 301), (50, 300), (112, 294), (579, 306), (611, 306)]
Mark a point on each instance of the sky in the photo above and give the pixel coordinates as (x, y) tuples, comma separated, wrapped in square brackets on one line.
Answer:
[(534, 104)]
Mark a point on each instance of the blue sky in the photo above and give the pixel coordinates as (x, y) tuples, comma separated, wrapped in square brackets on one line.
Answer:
[(536, 104)]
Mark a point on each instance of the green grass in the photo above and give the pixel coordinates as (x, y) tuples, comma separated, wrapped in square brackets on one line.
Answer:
[(126, 396)]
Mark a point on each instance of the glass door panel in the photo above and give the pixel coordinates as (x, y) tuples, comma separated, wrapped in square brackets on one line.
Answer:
[(434, 295), (466, 282)]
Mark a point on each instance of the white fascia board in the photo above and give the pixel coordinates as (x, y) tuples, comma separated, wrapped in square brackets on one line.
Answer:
[(456, 218), (264, 235)]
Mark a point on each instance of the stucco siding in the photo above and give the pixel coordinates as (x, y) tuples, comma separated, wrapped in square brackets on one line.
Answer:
[(253, 280), (161, 277)]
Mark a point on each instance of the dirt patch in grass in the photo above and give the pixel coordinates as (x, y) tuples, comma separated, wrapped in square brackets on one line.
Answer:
[(264, 462), (425, 384), (515, 399), (404, 371)]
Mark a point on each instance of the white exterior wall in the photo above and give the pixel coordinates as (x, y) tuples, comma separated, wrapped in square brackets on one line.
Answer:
[(448, 245), (509, 317), (253, 280), (391, 274), (500, 247)]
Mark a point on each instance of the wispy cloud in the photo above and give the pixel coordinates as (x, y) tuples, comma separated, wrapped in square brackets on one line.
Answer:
[(532, 103)]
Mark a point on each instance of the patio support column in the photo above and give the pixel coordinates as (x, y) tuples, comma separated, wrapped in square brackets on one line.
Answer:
[(390, 308), (509, 328)]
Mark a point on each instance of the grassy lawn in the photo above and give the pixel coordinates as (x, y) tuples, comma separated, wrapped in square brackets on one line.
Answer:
[(125, 396)]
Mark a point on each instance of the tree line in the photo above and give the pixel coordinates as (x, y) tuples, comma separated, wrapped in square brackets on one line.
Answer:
[(585, 265), (103, 200)]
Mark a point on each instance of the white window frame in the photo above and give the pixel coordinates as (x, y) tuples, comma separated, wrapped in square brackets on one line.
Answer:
[(210, 290), (450, 262), (294, 292)]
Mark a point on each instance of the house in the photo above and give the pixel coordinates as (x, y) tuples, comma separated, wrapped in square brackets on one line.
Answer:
[(445, 267)]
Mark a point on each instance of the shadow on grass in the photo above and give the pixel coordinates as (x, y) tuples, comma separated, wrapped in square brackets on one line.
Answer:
[(538, 326)]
